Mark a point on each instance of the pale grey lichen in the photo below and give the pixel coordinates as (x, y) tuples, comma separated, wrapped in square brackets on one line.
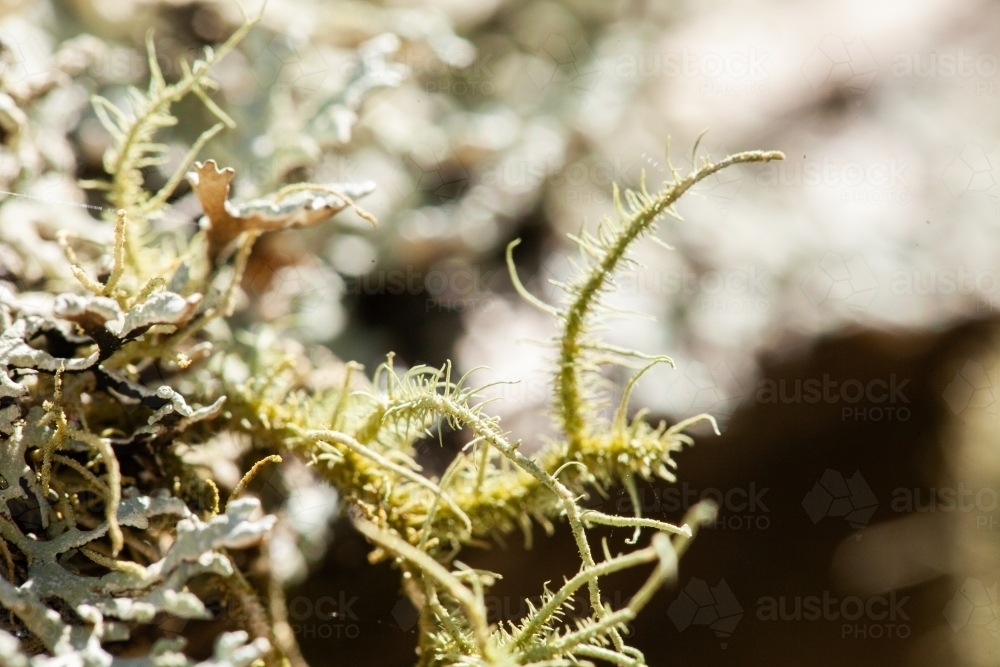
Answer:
[(129, 592), (176, 405), (74, 650), (16, 354), (86, 310), (160, 308), (296, 209), (158, 587)]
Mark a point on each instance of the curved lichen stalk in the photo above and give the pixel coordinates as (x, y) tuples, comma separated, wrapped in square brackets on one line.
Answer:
[(605, 253)]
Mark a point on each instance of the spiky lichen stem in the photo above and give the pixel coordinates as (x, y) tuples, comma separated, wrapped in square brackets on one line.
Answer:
[(569, 403)]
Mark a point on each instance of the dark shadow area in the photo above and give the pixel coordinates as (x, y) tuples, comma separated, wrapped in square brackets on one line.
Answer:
[(750, 586)]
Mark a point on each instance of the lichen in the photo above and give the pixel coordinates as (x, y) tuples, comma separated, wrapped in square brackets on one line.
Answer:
[(123, 357)]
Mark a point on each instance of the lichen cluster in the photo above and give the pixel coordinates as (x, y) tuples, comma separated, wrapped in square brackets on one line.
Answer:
[(118, 359)]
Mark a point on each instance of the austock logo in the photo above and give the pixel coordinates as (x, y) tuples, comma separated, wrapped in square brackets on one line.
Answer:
[(749, 63), (697, 388), (721, 187), (290, 60), (446, 286), (982, 501), (836, 61), (712, 606), (884, 398), (562, 64), (876, 617), (834, 496), (585, 180), (973, 387), (857, 182), (950, 65), (734, 73), (326, 617), (946, 65), (24, 55), (841, 281), (851, 498), (740, 508), (945, 282), (735, 290), (973, 171), (309, 292), (437, 173), (974, 604)]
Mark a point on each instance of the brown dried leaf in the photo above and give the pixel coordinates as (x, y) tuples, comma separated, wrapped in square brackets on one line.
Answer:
[(303, 207)]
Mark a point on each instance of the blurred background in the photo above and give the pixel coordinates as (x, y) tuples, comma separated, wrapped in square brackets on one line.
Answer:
[(835, 311)]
